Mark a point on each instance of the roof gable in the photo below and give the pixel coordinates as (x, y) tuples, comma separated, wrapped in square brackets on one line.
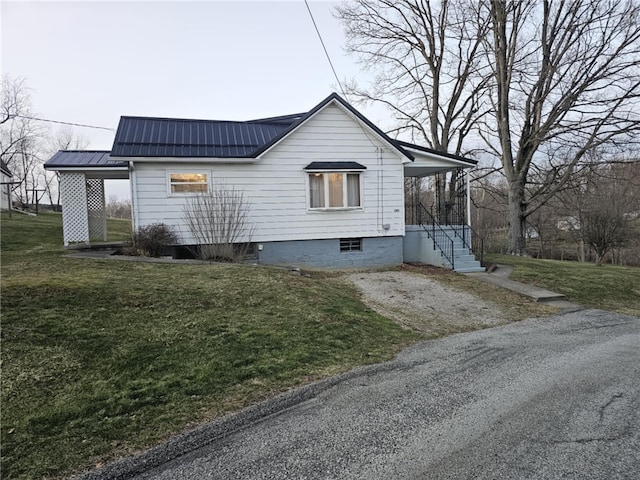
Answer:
[(334, 97), (175, 137), (151, 137)]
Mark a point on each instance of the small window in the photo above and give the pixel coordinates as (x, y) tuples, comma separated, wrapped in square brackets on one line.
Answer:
[(350, 244), (334, 190), (188, 183)]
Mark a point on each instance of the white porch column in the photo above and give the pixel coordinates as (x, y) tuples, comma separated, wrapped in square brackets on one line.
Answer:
[(75, 217), (97, 215)]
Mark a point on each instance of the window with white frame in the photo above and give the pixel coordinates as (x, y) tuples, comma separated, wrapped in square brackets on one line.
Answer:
[(334, 190), (188, 182)]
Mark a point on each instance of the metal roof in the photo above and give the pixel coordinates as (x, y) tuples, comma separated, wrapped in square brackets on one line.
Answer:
[(177, 137), (153, 137), (173, 137), (83, 158), (335, 166)]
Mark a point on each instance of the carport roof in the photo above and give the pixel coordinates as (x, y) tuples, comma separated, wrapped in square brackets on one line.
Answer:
[(69, 159)]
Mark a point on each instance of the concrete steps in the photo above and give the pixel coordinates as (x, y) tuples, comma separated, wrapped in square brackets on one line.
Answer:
[(419, 246), (463, 258)]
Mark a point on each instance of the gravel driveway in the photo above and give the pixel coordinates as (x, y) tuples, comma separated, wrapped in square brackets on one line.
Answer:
[(421, 303)]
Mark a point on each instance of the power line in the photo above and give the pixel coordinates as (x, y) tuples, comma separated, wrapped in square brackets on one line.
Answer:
[(325, 48), (64, 123)]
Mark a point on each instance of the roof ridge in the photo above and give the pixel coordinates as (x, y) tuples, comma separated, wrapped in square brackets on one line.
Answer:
[(279, 118), (86, 151), (190, 120), (276, 119)]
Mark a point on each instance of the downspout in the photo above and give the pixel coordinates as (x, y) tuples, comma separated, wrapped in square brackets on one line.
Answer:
[(469, 198), (381, 163), (134, 197)]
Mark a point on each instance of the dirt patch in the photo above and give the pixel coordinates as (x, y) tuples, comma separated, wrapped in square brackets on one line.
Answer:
[(424, 304)]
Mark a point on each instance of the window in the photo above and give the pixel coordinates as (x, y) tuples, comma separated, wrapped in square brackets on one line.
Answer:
[(350, 244), (188, 183), (334, 190)]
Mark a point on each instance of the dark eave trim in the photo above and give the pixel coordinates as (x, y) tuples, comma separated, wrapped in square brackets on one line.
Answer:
[(324, 166)]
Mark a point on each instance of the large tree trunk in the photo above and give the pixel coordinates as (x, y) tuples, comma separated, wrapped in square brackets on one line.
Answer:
[(517, 244)]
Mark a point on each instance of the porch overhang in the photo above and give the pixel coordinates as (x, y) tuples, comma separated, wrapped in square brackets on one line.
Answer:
[(413, 170), (91, 163), (82, 176), (427, 162)]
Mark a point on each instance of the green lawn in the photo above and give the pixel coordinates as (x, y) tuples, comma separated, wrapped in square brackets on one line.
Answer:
[(101, 358), (608, 287)]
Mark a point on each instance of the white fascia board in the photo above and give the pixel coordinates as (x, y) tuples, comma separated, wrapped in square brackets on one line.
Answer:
[(437, 160), (112, 173), (184, 159)]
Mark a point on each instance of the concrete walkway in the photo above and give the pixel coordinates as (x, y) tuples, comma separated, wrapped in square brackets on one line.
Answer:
[(500, 278)]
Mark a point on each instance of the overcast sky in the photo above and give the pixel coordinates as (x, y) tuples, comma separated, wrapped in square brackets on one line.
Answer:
[(91, 62)]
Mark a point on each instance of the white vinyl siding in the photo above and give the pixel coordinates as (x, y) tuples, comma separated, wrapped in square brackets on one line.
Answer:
[(278, 188)]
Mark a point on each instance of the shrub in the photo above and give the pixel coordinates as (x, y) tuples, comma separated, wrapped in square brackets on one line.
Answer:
[(220, 224), (153, 240)]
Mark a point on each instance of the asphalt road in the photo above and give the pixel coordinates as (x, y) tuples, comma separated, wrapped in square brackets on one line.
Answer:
[(546, 398)]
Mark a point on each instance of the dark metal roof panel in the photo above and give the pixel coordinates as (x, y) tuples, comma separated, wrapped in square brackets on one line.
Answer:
[(172, 137), (83, 158), (335, 166)]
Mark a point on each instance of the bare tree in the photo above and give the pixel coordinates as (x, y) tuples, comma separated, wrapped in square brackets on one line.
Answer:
[(566, 81), (219, 222), (426, 56), (605, 202), (63, 139), (19, 136), (559, 79), (118, 208)]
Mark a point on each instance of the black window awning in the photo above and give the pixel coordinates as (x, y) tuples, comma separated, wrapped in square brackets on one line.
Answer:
[(324, 166)]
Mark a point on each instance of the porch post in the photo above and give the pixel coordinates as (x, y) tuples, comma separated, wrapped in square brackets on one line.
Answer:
[(469, 197)]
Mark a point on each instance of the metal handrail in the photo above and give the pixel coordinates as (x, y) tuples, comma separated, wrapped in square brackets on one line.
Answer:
[(440, 238), (477, 244)]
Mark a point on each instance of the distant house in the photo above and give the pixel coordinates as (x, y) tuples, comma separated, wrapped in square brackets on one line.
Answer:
[(568, 224), (5, 188), (325, 187)]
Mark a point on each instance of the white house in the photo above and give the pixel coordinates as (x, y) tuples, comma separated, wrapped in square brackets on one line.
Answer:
[(325, 188), (5, 187)]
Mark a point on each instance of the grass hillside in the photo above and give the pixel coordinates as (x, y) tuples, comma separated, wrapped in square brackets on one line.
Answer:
[(101, 358), (608, 287)]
